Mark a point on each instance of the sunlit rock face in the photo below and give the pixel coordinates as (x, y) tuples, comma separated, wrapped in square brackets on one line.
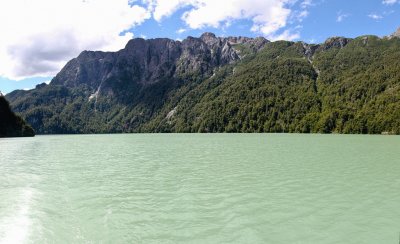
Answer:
[(150, 61)]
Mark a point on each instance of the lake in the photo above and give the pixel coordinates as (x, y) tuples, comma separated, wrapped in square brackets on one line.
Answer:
[(200, 188)]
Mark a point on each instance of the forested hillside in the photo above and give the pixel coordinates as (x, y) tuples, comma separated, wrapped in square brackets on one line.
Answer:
[(12, 125)]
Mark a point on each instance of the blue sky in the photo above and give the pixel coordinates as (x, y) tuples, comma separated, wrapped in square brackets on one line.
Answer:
[(39, 53)]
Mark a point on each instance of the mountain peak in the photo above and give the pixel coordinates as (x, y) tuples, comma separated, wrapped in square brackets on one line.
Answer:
[(208, 35), (209, 38)]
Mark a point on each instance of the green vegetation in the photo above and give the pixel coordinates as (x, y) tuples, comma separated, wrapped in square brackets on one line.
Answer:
[(354, 89), (12, 125)]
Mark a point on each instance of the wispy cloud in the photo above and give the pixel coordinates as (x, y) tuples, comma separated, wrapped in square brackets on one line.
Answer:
[(341, 16), (375, 16), (302, 15), (390, 2), (181, 30), (306, 3)]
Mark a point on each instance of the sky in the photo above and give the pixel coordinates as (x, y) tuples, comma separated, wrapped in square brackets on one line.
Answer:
[(38, 37)]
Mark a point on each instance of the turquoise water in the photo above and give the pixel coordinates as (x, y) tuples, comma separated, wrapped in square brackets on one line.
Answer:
[(200, 188)]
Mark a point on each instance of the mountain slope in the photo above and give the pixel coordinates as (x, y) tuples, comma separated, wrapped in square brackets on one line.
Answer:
[(212, 84), (12, 125)]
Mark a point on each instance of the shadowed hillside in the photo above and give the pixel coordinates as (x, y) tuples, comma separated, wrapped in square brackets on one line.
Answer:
[(12, 125)]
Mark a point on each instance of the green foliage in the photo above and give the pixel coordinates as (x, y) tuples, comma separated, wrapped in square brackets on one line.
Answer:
[(355, 89), (12, 125)]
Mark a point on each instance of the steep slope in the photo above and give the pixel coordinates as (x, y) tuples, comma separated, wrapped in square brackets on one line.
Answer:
[(341, 88), (12, 125), (212, 84)]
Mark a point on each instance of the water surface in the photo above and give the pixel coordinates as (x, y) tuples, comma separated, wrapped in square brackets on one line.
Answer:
[(200, 188)]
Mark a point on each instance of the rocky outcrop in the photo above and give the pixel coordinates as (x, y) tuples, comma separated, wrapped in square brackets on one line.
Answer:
[(309, 49), (335, 42)]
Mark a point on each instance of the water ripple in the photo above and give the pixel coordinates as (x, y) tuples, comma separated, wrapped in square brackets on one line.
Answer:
[(200, 189)]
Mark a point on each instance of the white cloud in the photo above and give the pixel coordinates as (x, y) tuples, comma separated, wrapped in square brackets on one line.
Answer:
[(39, 37), (300, 16), (341, 16), (165, 8), (285, 35), (390, 2), (268, 16), (375, 16), (306, 3), (181, 30)]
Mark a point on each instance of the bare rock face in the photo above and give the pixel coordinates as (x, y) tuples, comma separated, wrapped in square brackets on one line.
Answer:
[(309, 49), (146, 62), (335, 42), (88, 68)]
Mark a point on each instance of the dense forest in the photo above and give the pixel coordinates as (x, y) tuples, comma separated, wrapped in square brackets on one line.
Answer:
[(340, 86), (12, 125)]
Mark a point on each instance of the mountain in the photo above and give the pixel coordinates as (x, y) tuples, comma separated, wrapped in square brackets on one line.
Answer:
[(12, 125), (216, 84), (146, 62)]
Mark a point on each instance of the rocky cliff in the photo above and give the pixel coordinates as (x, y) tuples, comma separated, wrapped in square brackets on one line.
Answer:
[(145, 62)]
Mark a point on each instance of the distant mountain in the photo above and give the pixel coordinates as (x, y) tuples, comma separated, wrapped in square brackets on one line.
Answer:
[(12, 125), (217, 84)]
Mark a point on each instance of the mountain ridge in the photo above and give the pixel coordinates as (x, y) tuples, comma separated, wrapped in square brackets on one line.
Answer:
[(159, 55), (144, 87)]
